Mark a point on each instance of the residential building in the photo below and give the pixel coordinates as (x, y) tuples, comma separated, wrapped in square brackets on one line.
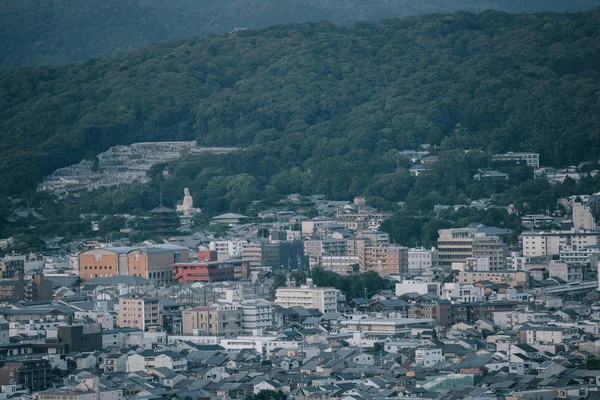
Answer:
[(141, 313), (252, 254), (582, 217), (122, 337), (510, 319), (35, 374), (317, 248), (215, 320), (427, 356), (307, 296), (385, 260), (257, 314), (550, 242), (226, 249), (80, 337), (342, 265), (420, 259), (115, 363), (458, 245), (375, 238), (149, 359), (530, 159), (460, 293), (417, 286), (491, 248), (512, 278), (87, 389), (12, 266), (386, 326), (544, 335)]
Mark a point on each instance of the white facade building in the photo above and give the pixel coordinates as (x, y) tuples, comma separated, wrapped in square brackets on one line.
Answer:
[(543, 243), (510, 319), (421, 258), (307, 296), (427, 356), (256, 315), (149, 359), (456, 292), (227, 249), (417, 286)]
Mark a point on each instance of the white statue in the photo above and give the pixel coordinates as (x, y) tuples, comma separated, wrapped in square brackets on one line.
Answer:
[(188, 204)]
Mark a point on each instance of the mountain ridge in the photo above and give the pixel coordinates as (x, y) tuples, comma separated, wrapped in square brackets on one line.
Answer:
[(36, 32), (305, 95)]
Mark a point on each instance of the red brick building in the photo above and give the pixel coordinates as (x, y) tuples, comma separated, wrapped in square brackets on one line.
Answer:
[(209, 269)]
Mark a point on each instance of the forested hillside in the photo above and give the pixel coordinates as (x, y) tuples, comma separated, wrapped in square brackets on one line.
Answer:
[(320, 108), (35, 32)]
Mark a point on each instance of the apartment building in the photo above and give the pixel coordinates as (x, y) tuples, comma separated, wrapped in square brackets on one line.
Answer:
[(252, 254), (316, 249), (512, 278), (550, 242), (458, 245), (375, 238), (385, 260), (140, 313), (325, 247), (307, 296), (491, 248), (582, 217), (11, 266), (227, 249), (214, 320), (510, 319), (149, 359), (420, 259), (256, 314), (342, 265), (544, 335), (33, 374), (579, 255), (427, 356)]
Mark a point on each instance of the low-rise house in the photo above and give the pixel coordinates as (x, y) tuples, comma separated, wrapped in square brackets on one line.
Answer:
[(150, 360)]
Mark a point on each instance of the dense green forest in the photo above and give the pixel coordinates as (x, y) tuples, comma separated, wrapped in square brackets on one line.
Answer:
[(320, 109), (35, 32)]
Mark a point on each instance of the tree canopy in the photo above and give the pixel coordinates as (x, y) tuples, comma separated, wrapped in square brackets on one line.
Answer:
[(319, 108)]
